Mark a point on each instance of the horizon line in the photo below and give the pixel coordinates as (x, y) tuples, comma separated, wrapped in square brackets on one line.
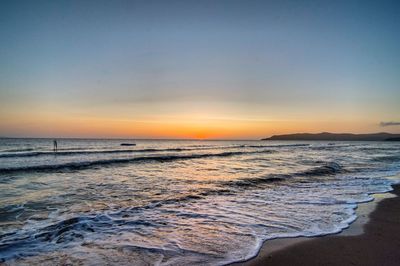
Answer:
[(190, 139)]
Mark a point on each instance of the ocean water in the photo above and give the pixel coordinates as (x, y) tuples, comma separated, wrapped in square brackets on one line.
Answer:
[(95, 202)]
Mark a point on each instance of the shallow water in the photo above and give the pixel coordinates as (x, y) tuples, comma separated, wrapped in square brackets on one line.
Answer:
[(178, 202)]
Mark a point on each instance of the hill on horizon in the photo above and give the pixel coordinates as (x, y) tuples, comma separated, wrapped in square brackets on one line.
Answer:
[(382, 136)]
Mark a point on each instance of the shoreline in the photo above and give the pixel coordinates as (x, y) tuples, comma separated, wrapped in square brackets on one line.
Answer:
[(375, 232)]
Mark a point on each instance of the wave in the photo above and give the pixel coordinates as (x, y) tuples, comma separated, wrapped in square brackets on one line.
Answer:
[(79, 151), (328, 168), (330, 147), (254, 182), (379, 148), (47, 153), (89, 152), (86, 152), (278, 146), (18, 150), (88, 164), (387, 158)]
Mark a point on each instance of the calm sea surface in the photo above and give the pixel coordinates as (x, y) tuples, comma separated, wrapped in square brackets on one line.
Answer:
[(178, 202)]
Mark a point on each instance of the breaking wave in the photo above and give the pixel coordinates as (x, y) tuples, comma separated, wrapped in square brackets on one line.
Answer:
[(328, 168), (88, 164)]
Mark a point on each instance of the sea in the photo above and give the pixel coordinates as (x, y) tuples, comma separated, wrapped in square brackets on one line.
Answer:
[(178, 202)]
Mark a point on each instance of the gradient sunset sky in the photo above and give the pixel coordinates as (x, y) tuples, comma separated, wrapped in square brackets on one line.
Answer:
[(198, 69)]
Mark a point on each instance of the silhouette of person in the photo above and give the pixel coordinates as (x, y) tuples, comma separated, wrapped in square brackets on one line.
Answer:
[(55, 145)]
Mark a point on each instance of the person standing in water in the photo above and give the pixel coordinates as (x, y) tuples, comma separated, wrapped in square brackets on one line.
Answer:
[(55, 145)]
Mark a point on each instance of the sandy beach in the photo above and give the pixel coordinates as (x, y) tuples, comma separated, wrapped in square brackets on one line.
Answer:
[(378, 243)]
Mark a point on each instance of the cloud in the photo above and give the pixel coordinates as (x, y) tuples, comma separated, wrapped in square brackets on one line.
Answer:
[(387, 124)]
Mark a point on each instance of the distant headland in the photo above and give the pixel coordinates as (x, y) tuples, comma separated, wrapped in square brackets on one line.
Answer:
[(382, 136)]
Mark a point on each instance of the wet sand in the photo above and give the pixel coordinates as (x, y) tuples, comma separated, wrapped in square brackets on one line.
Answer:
[(375, 243)]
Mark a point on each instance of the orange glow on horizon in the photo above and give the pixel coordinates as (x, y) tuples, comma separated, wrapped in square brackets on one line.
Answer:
[(56, 121), (49, 125)]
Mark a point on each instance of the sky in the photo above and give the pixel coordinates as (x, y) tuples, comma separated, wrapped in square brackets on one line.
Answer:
[(198, 69)]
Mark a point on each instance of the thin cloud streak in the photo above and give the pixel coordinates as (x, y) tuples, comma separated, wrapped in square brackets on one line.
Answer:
[(388, 124)]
